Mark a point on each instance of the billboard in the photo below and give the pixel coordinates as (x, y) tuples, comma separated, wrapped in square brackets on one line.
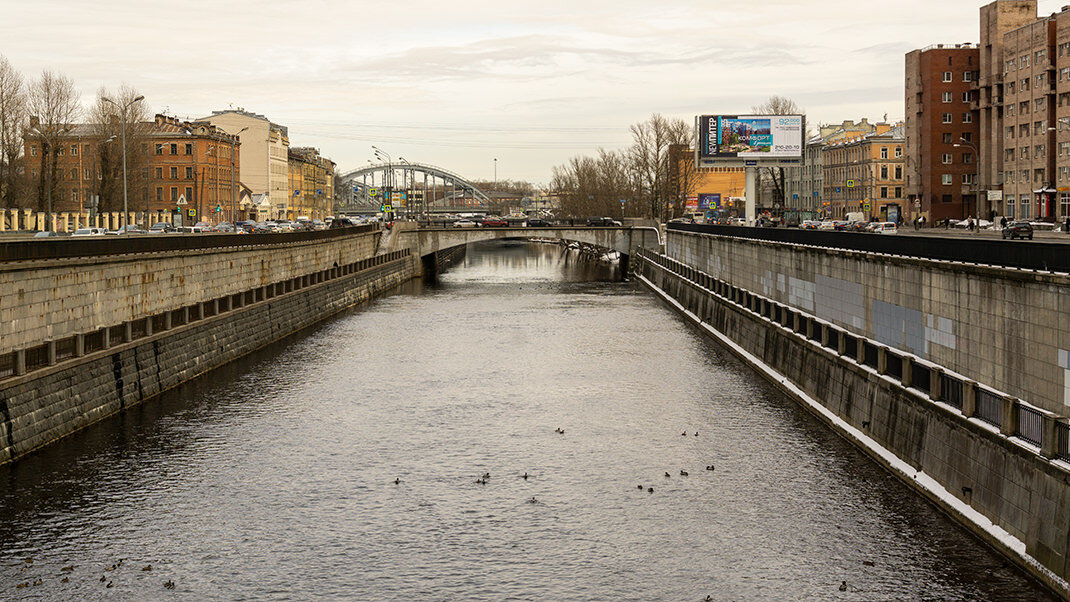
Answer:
[(709, 201), (754, 137)]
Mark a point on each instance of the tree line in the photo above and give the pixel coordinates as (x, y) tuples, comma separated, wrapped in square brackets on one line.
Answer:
[(45, 110)]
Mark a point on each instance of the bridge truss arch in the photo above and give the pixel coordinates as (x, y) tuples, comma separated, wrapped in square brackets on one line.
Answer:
[(436, 184)]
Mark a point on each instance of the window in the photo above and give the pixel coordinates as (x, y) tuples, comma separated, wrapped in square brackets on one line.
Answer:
[(967, 118), (1010, 206), (159, 193), (174, 194), (1064, 204), (898, 192), (898, 173), (1008, 178), (946, 198), (966, 97), (967, 178), (1038, 175), (898, 152), (1039, 80), (189, 149), (189, 194), (884, 152), (74, 152), (947, 138), (884, 172), (1010, 110), (946, 97), (174, 149), (947, 118), (86, 174), (1038, 105), (1039, 56), (1064, 173), (1064, 148), (1024, 62), (189, 173), (1023, 129), (1010, 131), (945, 179), (967, 136), (174, 173), (1024, 175), (1008, 154), (1010, 88), (947, 76), (159, 149), (1038, 151), (1024, 85), (1023, 107), (33, 150), (74, 195), (967, 76), (966, 158), (946, 159), (1024, 209)]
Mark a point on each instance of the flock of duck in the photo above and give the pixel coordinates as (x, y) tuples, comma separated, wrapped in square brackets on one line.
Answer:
[(67, 570)]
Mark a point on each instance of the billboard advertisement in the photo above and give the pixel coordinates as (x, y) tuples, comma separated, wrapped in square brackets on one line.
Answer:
[(709, 201), (750, 136)]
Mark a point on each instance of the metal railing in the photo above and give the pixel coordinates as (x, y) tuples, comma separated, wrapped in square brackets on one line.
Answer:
[(1030, 424), (989, 407), (1054, 257)]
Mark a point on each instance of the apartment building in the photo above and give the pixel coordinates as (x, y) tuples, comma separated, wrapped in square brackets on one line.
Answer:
[(177, 166), (265, 157), (941, 132), (804, 186), (311, 184), (865, 173)]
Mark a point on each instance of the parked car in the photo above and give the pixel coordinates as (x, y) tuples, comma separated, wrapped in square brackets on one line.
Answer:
[(495, 222), (1019, 229), (192, 230), (465, 223), (49, 234), (809, 224), (88, 232), (161, 228), (885, 228), (127, 229), (342, 222), (318, 224), (538, 222)]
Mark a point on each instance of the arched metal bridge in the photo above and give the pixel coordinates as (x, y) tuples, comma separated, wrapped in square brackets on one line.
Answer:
[(435, 183)]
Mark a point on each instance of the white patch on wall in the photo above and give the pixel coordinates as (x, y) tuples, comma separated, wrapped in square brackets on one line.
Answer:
[(781, 283), (768, 284), (1064, 363), (940, 331), (801, 294), (840, 301)]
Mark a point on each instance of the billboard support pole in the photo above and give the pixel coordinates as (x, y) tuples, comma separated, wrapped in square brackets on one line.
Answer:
[(752, 187)]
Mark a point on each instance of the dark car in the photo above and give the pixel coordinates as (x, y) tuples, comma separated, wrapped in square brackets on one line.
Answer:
[(342, 222), (1018, 230), (161, 228), (536, 222), (495, 222), (599, 221)]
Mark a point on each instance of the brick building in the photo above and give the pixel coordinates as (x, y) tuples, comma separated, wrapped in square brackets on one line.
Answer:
[(941, 131), (194, 161), (311, 184)]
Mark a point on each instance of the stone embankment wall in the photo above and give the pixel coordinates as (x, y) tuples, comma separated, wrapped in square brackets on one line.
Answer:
[(172, 347), (999, 466), (54, 299), (1006, 328)]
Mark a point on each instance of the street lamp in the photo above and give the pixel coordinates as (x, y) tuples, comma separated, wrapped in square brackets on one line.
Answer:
[(495, 187), (389, 180), (233, 194), (977, 176), (122, 112)]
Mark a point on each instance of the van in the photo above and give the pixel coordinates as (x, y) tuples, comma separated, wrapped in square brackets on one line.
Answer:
[(855, 216), (885, 228)]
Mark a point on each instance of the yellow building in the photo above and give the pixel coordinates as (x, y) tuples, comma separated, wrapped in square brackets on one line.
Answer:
[(707, 188), (311, 179), (865, 174)]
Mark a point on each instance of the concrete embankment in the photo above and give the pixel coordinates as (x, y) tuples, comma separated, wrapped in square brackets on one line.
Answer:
[(931, 427), (51, 390)]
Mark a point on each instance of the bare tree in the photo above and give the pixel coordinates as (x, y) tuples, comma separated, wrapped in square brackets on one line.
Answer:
[(777, 105), (649, 156), (107, 125), (12, 126), (53, 105)]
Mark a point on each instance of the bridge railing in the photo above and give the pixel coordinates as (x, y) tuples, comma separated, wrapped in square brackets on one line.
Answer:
[(1013, 417), (64, 248), (1047, 257)]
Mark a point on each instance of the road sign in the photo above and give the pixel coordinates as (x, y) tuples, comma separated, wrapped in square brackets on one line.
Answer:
[(865, 206), (373, 192), (917, 202), (181, 199), (192, 212), (850, 183)]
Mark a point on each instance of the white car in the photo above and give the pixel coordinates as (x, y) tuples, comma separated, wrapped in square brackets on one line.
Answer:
[(88, 232), (465, 223), (885, 228)]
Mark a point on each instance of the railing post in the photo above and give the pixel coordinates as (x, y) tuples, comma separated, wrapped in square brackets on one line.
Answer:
[(882, 359), (148, 326), (969, 398), (907, 378), (1008, 424), (128, 331), (1049, 435), (79, 345), (860, 351), (20, 362), (167, 320), (105, 338), (842, 343), (52, 352), (936, 386)]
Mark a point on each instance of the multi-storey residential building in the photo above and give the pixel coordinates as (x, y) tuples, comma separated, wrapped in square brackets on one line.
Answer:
[(865, 171), (265, 160), (942, 132), (311, 184), (195, 163), (804, 186)]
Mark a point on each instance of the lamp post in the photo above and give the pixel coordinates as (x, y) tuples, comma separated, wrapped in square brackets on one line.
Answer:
[(976, 174), (389, 180), (122, 112), (233, 194), (495, 187)]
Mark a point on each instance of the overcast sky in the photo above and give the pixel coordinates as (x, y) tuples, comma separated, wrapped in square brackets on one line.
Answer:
[(460, 83)]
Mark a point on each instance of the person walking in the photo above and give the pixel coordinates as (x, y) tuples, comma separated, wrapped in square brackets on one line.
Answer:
[(1066, 226), (1003, 222)]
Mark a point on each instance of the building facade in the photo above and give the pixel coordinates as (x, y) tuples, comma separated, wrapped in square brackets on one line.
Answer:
[(265, 157), (311, 184), (188, 168), (941, 131), (865, 173)]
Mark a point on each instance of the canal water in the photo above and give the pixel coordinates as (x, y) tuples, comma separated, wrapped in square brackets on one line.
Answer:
[(347, 463)]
